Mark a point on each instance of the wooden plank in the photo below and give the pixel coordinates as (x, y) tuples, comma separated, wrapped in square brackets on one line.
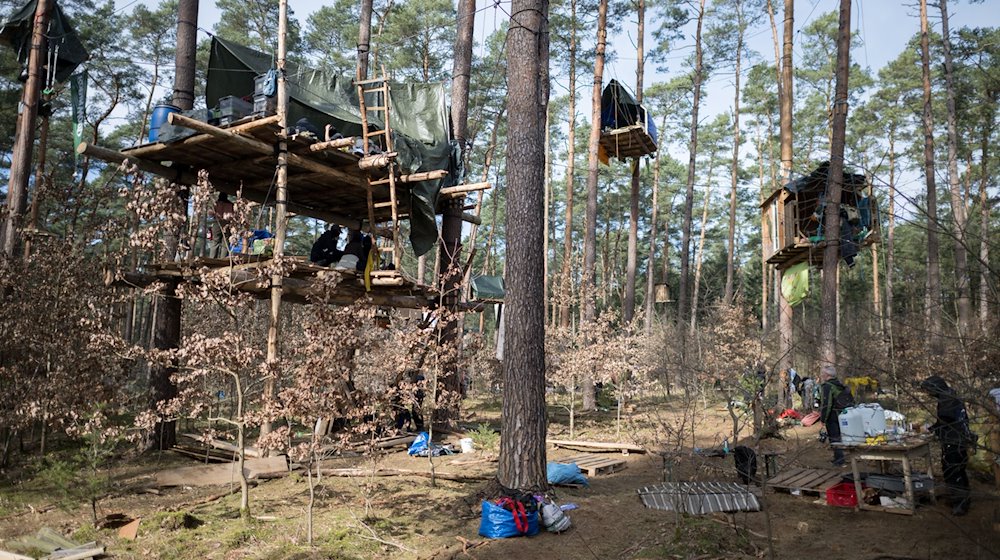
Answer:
[(225, 445), (5, 555), (783, 477), (595, 445), (799, 481), (225, 473), (76, 553)]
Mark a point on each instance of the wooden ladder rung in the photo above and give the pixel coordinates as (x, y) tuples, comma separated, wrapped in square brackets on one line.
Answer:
[(370, 81), (376, 108), (380, 182), (376, 132), (383, 204)]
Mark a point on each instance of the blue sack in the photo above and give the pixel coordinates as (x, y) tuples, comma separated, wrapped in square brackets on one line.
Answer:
[(498, 522), (559, 473), (420, 444)]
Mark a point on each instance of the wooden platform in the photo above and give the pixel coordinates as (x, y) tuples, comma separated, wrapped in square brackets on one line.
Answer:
[(813, 481), (595, 465), (811, 252), (628, 142)]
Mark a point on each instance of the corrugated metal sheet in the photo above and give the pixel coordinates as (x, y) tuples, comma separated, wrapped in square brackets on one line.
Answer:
[(698, 498)]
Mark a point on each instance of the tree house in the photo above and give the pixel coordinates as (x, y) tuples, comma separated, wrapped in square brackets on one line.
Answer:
[(345, 165), (627, 131), (792, 219)]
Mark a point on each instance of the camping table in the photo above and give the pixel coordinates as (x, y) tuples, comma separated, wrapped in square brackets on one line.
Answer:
[(905, 452)]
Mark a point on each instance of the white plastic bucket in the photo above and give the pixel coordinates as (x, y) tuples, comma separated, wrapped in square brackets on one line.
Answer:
[(852, 426), (466, 445)]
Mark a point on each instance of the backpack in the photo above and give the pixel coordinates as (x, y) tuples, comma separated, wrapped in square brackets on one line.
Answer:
[(840, 396)]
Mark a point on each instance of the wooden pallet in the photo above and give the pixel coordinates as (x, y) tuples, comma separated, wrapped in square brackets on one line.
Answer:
[(594, 465), (815, 481)]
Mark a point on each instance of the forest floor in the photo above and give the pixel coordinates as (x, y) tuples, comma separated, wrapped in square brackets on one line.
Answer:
[(406, 517)]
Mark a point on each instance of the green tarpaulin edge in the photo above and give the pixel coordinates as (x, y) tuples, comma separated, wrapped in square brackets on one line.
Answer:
[(16, 33)]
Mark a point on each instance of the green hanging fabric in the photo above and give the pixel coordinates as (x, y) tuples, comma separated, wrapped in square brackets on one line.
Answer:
[(78, 94), (795, 283)]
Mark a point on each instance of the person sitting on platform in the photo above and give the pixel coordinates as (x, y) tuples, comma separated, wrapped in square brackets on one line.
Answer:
[(324, 251), (356, 252)]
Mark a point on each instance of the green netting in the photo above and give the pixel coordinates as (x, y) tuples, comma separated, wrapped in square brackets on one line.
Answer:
[(488, 288), (16, 33), (419, 119)]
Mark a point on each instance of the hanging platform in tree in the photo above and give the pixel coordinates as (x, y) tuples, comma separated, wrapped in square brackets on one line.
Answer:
[(792, 219), (303, 282), (626, 129)]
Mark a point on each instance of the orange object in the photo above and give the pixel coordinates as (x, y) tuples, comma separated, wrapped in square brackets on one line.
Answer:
[(842, 495), (810, 419)]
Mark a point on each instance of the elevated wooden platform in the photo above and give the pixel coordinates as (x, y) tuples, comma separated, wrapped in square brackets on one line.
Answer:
[(628, 142), (812, 252), (304, 282)]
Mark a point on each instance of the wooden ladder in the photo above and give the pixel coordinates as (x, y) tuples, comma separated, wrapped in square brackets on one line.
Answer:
[(383, 139)]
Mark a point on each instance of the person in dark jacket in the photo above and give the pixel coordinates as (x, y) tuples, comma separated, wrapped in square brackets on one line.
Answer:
[(834, 397), (359, 245), (324, 251), (952, 430)]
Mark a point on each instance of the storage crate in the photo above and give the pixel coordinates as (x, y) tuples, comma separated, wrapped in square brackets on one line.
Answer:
[(233, 107), (259, 84), (842, 495), (922, 484), (264, 106)]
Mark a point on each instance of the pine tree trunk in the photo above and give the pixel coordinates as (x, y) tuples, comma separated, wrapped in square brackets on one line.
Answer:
[(364, 38), (633, 219), (701, 255), (588, 291), (932, 303), (890, 251), (523, 422), (731, 248), (958, 207), (785, 331), (984, 227), (831, 218), (651, 258), (682, 292), (566, 275)]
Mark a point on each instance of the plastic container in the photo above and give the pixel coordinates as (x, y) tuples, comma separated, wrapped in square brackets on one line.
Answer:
[(466, 445), (852, 426), (160, 114), (842, 495), (872, 418)]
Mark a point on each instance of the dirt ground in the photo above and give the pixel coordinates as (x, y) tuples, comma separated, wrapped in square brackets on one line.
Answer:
[(406, 517)]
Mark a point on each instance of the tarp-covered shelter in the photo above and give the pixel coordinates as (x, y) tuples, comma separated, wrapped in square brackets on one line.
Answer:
[(419, 119), (627, 131), (62, 38), (793, 218)]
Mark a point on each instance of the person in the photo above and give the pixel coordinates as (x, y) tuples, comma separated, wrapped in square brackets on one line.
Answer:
[(806, 388), (358, 245), (324, 251), (222, 214), (834, 397), (952, 430), (785, 384)]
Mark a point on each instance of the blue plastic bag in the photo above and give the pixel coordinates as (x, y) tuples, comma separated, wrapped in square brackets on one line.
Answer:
[(498, 523), (420, 445), (559, 473)]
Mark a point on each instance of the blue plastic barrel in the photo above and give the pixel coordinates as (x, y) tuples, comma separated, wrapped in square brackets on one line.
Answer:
[(160, 113)]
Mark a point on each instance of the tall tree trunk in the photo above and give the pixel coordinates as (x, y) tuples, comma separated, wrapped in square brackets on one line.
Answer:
[(545, 213), (831, 217), (958, 207), (523, 423), (890, 242), (731, 249), (187, 51), (682, 292), (633, 218), (588, 291), (984, 225), (24, 140), (765, 236), (364, 39), (651, 258), (566, 275), (932, 303), (701, 254), (785, 334)]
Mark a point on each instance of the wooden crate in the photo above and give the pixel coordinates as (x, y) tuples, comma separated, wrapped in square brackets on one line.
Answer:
[(594, 465), (812, 481)]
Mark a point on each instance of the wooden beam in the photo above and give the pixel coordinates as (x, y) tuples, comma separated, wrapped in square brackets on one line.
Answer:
[(333, 144), (461, 189), (472, 218), (150, 149), (264, 147), (424, 176)]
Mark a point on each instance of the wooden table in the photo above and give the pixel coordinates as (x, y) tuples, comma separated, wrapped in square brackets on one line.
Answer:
[(905, 452)]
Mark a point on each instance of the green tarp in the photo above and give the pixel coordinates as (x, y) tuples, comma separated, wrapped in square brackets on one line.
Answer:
[(488, 288), (795, 283), (16, 33), (419, 119)]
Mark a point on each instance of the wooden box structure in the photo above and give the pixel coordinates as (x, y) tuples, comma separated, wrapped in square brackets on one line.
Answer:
[(792, 219), (627, 131)]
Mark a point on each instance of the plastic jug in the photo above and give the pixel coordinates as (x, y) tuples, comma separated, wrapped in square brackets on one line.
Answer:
[(873, 418), (852, 426)]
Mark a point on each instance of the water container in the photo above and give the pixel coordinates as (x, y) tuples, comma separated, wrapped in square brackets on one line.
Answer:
[(873, 418), (852, 426), (160, 114)]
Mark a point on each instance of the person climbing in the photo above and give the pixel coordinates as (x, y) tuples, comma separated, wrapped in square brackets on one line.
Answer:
[(324, 250), (834, 397), (952, 430)]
